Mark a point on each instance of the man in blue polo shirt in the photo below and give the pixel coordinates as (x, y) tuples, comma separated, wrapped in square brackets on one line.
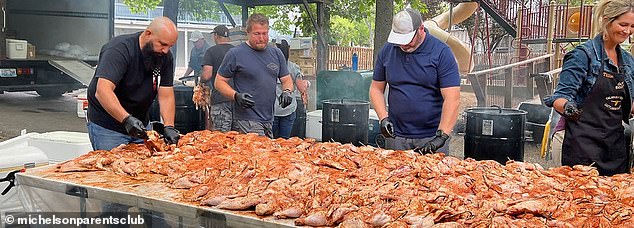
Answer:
[(424, 87)]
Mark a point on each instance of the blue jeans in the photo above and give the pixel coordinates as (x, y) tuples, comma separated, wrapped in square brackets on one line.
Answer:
[(282, 126), (102, 138)]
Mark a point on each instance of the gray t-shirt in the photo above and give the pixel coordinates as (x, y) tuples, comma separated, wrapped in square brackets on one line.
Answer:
[(254, 72), (196, 58)]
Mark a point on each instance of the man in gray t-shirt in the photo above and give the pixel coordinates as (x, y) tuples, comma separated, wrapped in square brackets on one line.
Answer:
[(254, 68), (285, 117)]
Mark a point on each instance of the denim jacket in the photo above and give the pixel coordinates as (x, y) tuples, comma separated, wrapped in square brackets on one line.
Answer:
[(581, 68)]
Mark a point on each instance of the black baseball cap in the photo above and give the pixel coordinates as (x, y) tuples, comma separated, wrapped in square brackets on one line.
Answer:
[(221, 30)]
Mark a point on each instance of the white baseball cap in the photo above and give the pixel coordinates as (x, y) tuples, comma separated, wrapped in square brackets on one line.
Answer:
[(404, 26), (195, 36)]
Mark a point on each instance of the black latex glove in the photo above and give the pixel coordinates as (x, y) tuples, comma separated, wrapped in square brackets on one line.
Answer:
[(244, 99), (171, 135), (285, 98), (571, 111), (433, 145), (134, 127), (387, 128)]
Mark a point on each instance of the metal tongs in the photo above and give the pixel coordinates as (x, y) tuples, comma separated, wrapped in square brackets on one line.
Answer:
[(11, 179)]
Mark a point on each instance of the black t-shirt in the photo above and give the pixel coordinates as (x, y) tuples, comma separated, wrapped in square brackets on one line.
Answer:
[(213, 57), (122, 62)]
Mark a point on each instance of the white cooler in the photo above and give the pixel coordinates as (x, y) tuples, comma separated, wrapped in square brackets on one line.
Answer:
[(60, 146)]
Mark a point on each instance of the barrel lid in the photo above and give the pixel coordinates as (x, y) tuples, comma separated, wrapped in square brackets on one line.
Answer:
[(496, 111), (345, 102)]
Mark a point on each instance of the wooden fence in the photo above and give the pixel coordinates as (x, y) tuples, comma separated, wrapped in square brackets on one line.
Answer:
[(342, 57)]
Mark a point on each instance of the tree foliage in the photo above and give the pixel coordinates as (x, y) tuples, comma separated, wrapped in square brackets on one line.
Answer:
[(139, 6), (197, 9), (351, 21), (205, 9), (274, 12)]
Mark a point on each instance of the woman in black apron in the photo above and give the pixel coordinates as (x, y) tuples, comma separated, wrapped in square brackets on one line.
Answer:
[(594, 93), (598, 135)]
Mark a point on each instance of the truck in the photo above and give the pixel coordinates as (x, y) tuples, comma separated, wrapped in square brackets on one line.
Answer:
[(64, 40)]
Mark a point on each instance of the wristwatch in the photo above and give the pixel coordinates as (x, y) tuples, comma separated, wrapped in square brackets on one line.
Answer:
[(440, 133)]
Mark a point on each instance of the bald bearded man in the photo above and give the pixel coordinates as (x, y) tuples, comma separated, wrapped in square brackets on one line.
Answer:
[(133, 69)]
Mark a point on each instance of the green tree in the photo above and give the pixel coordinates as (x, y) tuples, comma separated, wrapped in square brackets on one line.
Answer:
[(353, 21), (198, 9), (349, 32), (139, 6)]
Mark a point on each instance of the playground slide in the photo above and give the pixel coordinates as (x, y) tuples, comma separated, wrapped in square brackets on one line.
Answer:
[(438, 24), (460, 13)]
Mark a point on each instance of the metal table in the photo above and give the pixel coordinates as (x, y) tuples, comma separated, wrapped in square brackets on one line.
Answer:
[(136, 192)]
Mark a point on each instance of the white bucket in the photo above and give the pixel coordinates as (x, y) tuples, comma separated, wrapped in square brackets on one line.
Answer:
[(313, 125), (82, 105)]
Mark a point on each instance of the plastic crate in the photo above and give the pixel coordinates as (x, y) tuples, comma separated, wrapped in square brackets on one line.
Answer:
[(16, 49)]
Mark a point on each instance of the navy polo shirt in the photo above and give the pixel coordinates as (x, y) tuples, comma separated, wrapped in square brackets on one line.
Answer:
[(415, 80)]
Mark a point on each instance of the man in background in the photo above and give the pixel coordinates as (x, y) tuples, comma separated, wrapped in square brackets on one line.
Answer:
[(196, 54), (285, 117), (221, 107)]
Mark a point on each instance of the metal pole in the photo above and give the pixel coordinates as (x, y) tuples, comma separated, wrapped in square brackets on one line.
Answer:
[(320, 34), (245, 16), (170, 10), (322, 50), (508, 85), (518, 36), (556, 62), (226, 12), (551, 32), (450, 17)]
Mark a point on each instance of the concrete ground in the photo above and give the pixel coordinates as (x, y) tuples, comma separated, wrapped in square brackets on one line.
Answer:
[(26, 110)]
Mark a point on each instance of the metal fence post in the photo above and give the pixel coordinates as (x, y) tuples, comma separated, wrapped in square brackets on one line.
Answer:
[(478, 89), (530, 84), (508, 87)]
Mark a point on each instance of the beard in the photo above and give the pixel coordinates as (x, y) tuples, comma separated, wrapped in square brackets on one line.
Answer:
[(151, 59)]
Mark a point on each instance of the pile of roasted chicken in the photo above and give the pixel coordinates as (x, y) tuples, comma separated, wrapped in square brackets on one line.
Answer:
[(202, 96), (330, 184)]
